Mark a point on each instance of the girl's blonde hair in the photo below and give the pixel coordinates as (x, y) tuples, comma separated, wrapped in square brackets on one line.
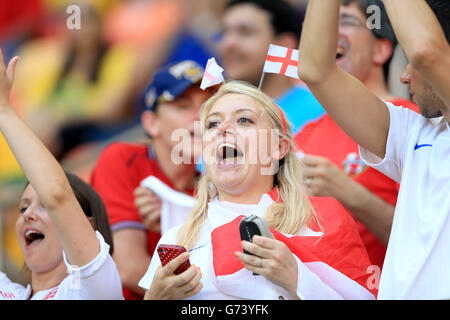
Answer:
[(294, 209)]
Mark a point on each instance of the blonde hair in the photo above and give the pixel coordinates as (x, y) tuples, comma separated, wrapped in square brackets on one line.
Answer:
[(295, 209)]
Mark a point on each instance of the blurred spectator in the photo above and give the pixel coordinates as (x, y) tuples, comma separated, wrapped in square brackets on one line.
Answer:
[(18, 23), (201, 13), (142, 22), (85, 81), (161, 31), (249, 27), (75, 78)]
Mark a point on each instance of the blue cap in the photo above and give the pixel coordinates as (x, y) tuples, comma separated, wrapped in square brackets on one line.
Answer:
[(171, 82)]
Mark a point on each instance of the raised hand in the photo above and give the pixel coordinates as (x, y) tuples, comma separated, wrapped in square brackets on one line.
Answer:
[(6, 79)]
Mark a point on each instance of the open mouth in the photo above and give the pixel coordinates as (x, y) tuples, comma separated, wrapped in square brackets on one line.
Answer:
[(227, 151), (340, 53), (33, 236)]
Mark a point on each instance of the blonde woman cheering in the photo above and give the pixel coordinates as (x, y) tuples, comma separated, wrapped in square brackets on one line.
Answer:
[(252, 169)]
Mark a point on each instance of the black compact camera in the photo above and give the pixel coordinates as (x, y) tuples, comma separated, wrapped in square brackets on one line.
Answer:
[(253, 225)]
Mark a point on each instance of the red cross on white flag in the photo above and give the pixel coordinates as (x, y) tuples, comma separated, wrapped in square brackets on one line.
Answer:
[(282, 60), (213, 74)]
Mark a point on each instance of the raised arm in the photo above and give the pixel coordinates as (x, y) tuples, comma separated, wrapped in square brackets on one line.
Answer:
[(362, 115), (46, 176), (423, 40)]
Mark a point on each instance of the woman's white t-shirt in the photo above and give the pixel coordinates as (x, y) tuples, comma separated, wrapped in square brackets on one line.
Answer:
[(97, 280), (219, 212)]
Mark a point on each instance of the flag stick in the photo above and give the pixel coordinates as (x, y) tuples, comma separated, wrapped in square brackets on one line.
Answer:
[(261, 81)]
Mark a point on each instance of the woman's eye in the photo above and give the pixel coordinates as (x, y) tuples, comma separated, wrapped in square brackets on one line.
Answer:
[(244, 120), (212, 124), (23, 209)]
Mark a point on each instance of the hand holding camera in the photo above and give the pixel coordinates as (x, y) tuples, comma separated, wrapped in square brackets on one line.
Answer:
[(266, 256)]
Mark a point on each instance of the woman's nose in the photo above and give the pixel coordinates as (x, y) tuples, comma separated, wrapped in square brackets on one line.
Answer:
[(29, 214), (225, 127)]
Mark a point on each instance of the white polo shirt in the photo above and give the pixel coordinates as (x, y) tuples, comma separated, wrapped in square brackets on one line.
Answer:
[(417, 156), (97, 280)]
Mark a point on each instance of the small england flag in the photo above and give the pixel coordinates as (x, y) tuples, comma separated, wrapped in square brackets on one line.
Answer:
[(213, 74), (282, 60)]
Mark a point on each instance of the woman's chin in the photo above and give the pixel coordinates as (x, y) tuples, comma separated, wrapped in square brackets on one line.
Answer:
[(39, 266), (229, 183), (35, 265)]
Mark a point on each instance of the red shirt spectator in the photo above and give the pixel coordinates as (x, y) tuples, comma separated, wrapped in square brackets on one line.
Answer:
[(119, 170)]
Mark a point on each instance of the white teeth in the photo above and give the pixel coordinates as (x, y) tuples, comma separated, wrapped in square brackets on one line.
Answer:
[(29, 232), (227, 150), (340, 52), (227, 145), (32, 236)]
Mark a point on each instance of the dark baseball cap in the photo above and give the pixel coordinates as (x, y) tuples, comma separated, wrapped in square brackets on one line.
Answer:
[(171, 82)]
